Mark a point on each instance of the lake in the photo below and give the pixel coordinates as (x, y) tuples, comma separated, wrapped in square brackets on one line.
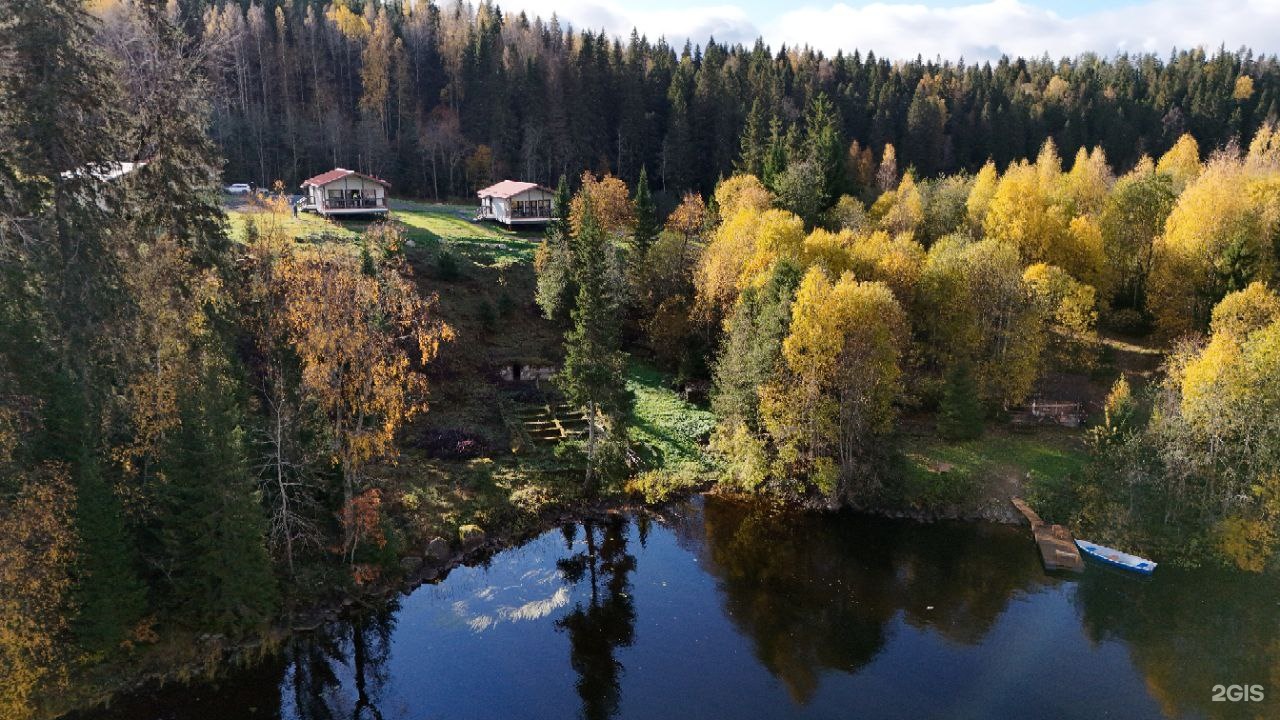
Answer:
[(722, 610)]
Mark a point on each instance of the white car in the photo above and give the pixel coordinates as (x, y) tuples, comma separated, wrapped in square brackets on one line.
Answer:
[(238, 189)]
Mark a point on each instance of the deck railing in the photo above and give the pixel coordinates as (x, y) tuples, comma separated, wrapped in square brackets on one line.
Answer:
[(371, 203), (535, 213)]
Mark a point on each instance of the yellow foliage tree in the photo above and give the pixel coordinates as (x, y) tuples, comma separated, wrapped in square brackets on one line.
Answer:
[(610, 201), (742, 192), (37, 551), (743, 248), (1022, 212), (841, 376), (897, 261), (358, 338), (900, 210), (1264, 150), (1215, 429), (779, 234), (975, 305), (984, 189), (169, 294), (1217, 239), (1182, 162), (1069, 306), (1241, 313), (1085, 188), (829, 249)]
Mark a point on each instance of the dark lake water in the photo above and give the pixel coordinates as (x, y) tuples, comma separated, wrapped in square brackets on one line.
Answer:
[(728, 611)]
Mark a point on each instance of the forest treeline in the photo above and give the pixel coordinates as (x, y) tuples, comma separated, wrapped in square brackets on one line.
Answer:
[(442, 98), (821, 321), (189, 427), (186, 423)]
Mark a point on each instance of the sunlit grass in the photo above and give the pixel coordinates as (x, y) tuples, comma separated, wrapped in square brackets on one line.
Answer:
[(302, 226), (939, 472), (451, 228), (669, 429), (436, 228)]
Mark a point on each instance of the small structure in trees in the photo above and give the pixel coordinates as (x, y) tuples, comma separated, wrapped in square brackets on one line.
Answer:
[(512, 202), (1066, 414), (345, 192), (519, 371)]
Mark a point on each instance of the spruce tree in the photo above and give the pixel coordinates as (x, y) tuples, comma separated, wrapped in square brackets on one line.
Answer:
[(594, 365), (753, 345), (776, 154), (213, 528), (60, 110), (960, 412), (752, 145), (110, 597), (824, 147), (554, 262), (646, 213)]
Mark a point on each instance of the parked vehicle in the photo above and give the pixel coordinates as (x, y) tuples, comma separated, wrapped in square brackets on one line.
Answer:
[(238, 189)]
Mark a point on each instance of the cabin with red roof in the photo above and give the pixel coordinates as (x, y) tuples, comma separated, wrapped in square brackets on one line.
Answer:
[(512, 202), (345, 192)]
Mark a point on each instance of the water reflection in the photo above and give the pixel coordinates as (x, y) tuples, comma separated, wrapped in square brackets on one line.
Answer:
[(606, 620), (819, 594), (746, 612), (1188, 631), (341, 673)]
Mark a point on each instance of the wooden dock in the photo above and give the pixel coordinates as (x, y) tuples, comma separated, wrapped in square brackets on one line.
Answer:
[(1057, 547)]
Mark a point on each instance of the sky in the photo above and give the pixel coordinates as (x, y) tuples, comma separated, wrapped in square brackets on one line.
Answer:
[(951, 29)]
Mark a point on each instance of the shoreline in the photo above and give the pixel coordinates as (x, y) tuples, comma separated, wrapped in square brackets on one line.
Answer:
[(217, 653)]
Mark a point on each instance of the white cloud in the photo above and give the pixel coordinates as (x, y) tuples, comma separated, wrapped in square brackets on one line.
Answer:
[(986, 31), (724, 22), (979, 31)]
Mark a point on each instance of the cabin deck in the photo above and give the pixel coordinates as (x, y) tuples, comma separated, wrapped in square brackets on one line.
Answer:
[(1057, 547)]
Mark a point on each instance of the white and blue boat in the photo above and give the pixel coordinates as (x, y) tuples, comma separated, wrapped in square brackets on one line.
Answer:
[(1115, 558)]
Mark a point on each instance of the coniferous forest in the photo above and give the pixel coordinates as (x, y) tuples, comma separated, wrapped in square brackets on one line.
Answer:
[(441, 98), (769, 272)]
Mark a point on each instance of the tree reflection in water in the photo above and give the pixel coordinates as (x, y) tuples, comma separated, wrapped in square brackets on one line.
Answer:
[(1187, 631), (821, 593), (364, 646), (607, 620)]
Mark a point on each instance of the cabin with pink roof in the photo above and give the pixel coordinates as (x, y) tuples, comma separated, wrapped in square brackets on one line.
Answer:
[(345, 192), (512, 202)]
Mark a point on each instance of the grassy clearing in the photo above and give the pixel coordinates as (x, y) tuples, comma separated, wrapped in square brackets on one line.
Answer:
[(669, 434), (433, 228), (302, 226), (669, 429), (999, 465), (449, 227)]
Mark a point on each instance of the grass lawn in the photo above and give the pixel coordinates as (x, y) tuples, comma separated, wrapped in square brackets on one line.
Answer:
[(996, 466), (430, 227), (449, 227), (670, 430), (303, 225)]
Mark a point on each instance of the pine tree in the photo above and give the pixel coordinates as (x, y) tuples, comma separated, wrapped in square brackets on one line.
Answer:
[(109, 594), (960, 412), (646, 214), (776, 154), (824, 147), (752, 146), (213, 528), (594, 364), (554, 260)]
